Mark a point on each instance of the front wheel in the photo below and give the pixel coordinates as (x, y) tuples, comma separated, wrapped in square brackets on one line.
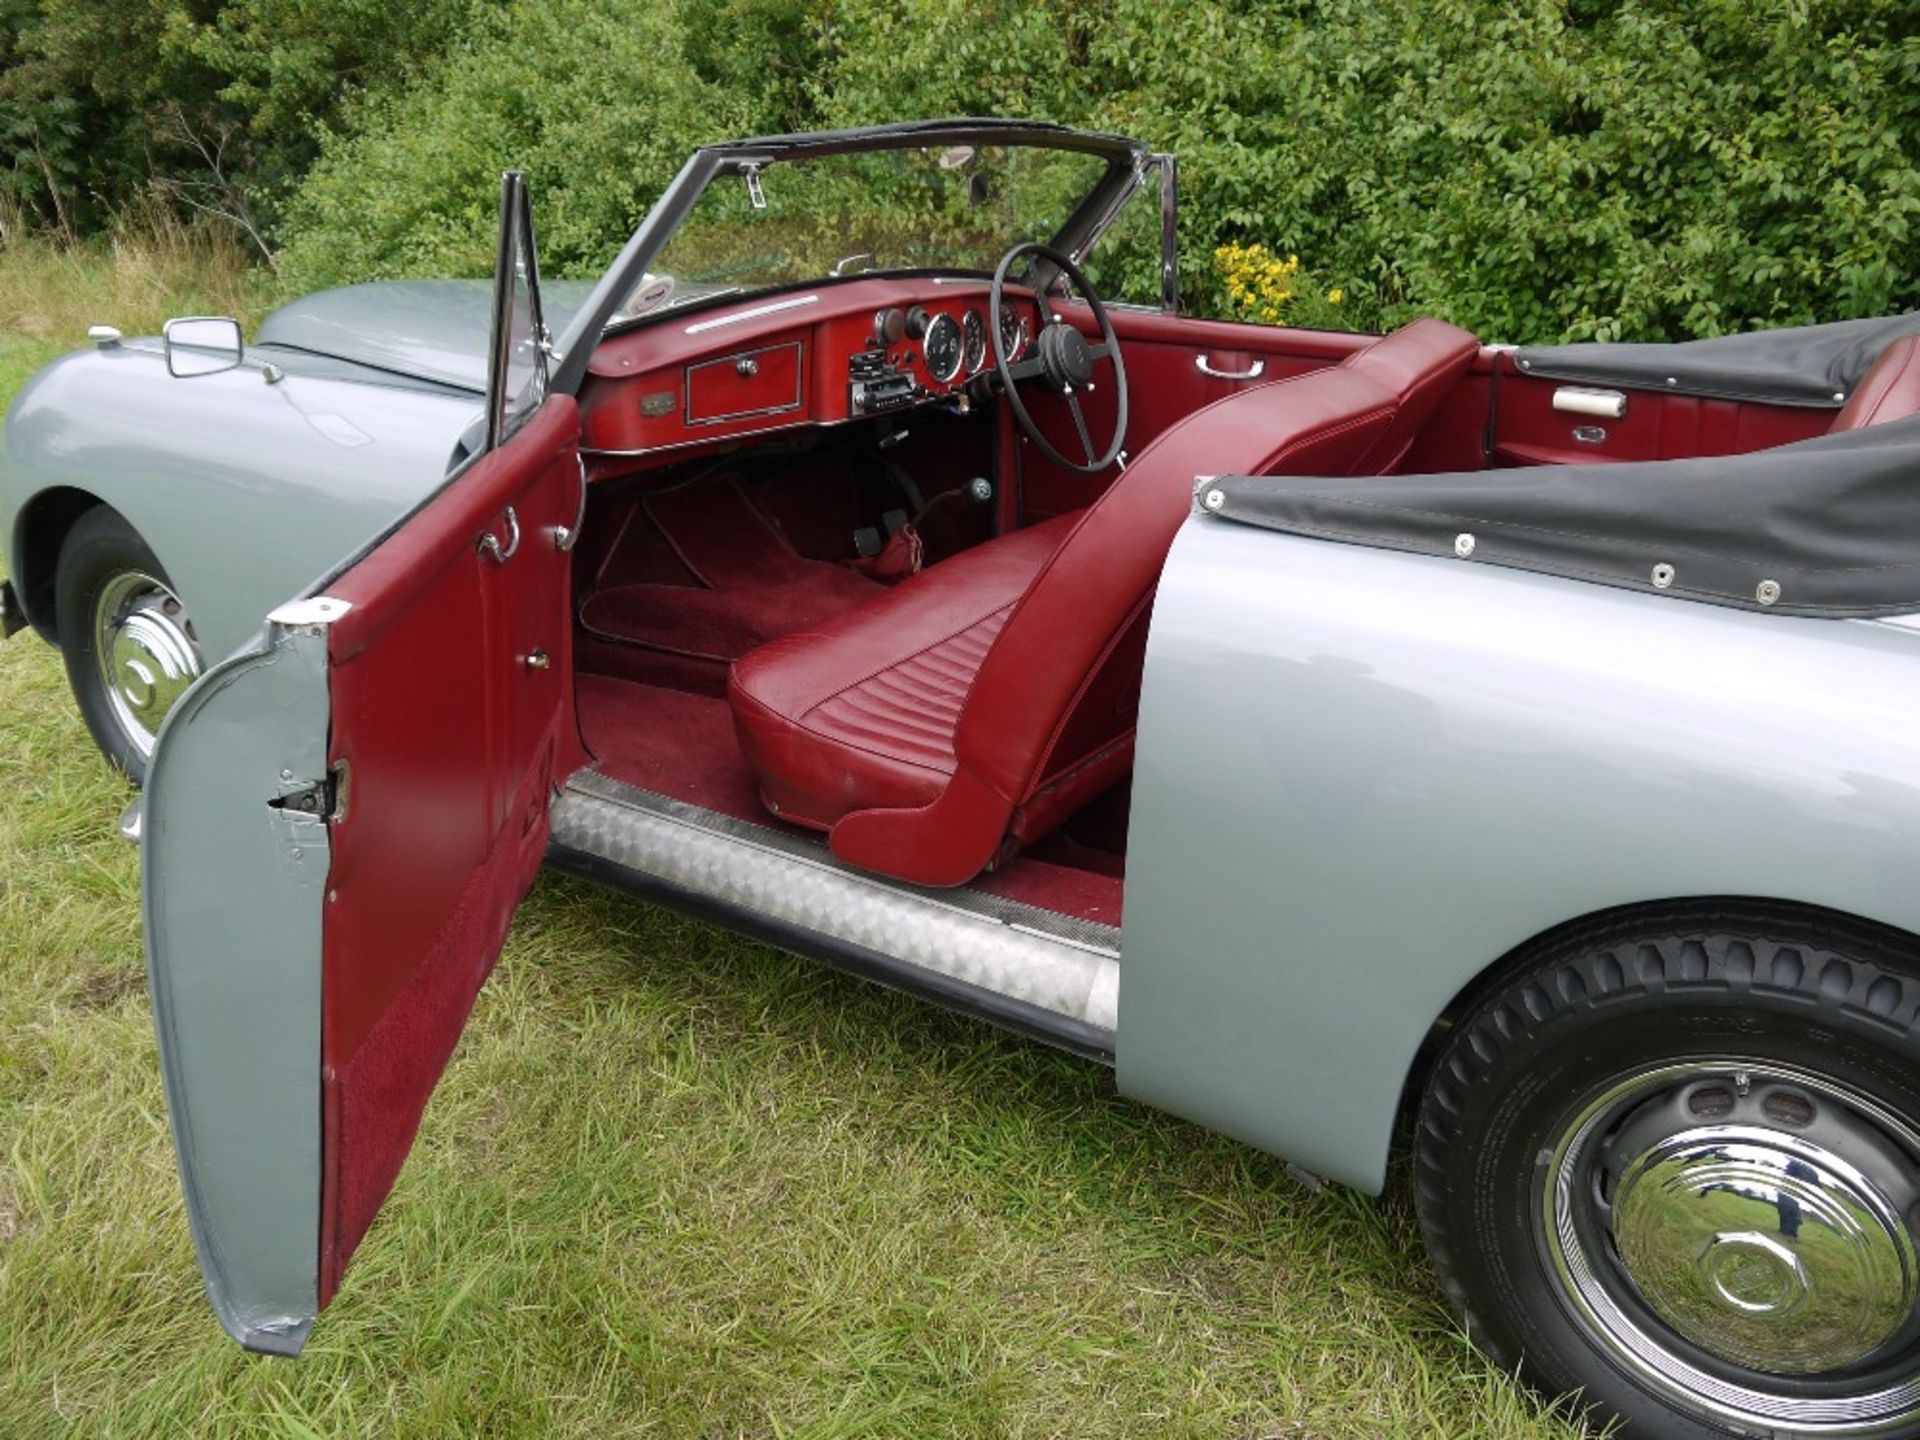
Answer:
[(1672, 1169), (129, 645)]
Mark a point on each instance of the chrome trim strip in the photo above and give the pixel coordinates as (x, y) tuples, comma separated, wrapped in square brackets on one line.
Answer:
[(771, 308), (1169, 233), (1056, 963)]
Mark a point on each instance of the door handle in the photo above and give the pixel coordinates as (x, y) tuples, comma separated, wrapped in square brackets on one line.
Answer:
[(565, 537), (491, 547), (1578, 400), (1252, 372)]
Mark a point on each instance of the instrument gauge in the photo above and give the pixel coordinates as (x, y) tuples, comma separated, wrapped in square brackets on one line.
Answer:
[(1015, 333), (973, 330), (944, 347)]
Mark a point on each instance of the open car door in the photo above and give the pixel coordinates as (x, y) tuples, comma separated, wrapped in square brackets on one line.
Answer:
[(338, 825)]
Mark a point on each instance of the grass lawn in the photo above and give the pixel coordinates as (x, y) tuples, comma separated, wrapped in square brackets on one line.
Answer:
[(673, 1183)]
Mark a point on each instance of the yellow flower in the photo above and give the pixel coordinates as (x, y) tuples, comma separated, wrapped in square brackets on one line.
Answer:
[(1336, 295)]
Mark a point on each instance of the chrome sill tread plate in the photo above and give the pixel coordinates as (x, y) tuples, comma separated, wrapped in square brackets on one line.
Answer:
[(1054, 976)]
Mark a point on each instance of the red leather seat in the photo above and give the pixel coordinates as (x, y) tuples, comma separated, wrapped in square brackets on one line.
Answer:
[(974, 706), (1890, 390), (862, 710)]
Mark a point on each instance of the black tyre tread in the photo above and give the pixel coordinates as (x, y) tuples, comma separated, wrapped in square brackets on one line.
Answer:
[(100, 527), (1786, 950)]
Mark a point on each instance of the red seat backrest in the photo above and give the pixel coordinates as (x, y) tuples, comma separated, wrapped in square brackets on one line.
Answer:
[(1047, 679), (1890, 390), (1417, 365)]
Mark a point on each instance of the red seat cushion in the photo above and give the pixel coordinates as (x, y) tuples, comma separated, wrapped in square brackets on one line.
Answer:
[(974, 706), (1890, 390), (862, 710)]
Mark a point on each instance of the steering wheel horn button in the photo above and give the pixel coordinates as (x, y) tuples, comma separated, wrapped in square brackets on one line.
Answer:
[(1068, 358)]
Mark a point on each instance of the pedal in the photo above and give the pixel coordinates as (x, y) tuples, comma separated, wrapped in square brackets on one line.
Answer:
[(893, 521), (867, 542)]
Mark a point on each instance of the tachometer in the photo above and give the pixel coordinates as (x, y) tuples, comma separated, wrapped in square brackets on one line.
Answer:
[(1015, 332), (974, 331), (944, 348)]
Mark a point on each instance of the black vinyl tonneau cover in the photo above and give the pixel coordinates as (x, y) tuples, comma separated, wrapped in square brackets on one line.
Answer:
[(1812, 365), (1827, 527)]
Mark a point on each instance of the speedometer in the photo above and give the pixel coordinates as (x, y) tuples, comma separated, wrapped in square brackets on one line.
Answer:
[(974, 330), (944, 348)]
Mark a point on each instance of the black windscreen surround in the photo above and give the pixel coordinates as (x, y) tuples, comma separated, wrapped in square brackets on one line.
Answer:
[(1813, 365), (1828, 527)]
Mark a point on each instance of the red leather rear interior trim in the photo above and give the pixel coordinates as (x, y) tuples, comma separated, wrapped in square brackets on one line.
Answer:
[(1890, 390), (1656, 426), (452, 743)]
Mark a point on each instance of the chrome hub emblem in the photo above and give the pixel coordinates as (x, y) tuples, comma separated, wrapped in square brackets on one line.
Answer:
[(1753, 1272)]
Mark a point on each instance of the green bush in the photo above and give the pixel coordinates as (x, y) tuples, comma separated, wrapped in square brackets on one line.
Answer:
[(1535, 171), (596, 100), (218, 107), (1547, 169)]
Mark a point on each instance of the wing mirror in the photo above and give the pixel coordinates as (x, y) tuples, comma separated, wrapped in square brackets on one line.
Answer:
[(202, 345)]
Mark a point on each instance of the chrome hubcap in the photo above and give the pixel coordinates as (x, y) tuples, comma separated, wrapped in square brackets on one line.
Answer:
[(144, 645), (1763, 1249), (1742, 1236)]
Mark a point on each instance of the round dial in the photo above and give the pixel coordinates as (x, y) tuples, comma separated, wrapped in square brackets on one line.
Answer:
[(944, 348), (973, 330), (1015, 332)]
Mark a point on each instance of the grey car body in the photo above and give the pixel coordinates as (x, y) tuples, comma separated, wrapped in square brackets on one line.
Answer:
[(248, 490), (1364, 780)]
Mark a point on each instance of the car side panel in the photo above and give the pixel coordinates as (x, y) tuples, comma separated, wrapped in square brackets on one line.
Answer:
[(246, 491), (1364, 776)]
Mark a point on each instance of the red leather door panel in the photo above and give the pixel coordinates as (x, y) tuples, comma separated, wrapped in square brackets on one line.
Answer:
[(1165, 384), (450, 714), (1656, 425)]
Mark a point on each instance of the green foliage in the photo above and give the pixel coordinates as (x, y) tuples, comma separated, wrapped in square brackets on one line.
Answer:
[(592, 98), (1536, 171), (1549, 169), (217, 105)]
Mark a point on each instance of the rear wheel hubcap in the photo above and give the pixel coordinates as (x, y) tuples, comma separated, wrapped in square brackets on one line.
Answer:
[(1741, 1236), (147, 654)]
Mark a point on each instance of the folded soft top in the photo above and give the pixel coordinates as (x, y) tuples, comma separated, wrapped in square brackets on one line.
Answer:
[(1827, 527), (1812, 365)]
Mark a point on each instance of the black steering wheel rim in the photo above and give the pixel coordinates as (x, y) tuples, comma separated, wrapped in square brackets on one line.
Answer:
[(1061, 356)]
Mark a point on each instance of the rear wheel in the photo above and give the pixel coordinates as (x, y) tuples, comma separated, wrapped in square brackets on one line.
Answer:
[(1675, 1167), (129, 645)]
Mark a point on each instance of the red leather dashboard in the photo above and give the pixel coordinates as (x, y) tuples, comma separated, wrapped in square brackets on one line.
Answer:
[(768, 362)]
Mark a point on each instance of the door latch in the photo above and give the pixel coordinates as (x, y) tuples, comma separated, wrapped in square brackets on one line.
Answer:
[(323, 800)]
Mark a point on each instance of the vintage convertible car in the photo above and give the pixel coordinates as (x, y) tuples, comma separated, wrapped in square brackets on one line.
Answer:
[(1516, 750)]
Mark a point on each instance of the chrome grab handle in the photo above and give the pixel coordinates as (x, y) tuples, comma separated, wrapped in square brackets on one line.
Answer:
[(1578, 400), (494, 550), (565, 537), (1253, 372)]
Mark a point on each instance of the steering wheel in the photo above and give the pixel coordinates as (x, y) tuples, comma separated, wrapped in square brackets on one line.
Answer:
[(1061, 358)]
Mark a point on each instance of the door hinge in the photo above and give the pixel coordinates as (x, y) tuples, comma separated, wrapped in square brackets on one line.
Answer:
[(323, 800)]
